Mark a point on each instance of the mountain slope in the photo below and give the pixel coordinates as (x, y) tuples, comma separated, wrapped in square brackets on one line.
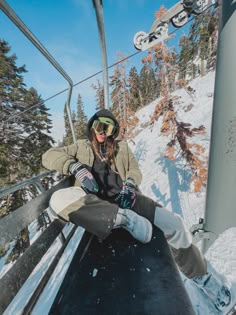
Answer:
[(168, 181)]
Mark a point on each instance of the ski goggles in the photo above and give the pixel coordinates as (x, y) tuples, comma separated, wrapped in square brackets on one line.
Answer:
[(103, 127)]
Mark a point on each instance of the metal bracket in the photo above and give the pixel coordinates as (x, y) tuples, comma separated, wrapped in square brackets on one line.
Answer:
[(143, 41), (177, 15), (199, 233)]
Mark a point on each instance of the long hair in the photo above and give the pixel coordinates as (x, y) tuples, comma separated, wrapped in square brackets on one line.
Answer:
[(109, 145)]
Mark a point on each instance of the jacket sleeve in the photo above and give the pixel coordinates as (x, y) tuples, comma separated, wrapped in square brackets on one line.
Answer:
[(133, 168), (60, 158)]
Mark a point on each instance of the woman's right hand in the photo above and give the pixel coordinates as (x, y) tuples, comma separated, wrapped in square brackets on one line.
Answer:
[(87, 181)]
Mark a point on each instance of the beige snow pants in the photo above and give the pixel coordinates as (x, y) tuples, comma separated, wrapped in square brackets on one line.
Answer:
[(187, 256), (98, 217)]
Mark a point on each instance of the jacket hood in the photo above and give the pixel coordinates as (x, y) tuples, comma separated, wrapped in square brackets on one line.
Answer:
[(103, 113)]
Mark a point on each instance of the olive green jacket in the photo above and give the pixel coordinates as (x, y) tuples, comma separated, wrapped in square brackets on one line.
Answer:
[(60, 158)]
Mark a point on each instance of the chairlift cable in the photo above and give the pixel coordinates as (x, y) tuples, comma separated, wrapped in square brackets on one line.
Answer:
[(79, 82)]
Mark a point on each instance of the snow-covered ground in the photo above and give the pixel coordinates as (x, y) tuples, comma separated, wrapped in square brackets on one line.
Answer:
[(169, 183)]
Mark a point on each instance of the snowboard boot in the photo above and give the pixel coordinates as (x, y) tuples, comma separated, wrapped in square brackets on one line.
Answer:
[(217, 291), (139, 227)]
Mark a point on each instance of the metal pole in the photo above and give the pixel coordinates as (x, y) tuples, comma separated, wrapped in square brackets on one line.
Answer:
[(24, 29), (220, 211), (100, 22)]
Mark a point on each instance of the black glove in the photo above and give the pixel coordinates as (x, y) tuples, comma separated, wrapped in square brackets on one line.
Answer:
[(127, 197), (87, 181)]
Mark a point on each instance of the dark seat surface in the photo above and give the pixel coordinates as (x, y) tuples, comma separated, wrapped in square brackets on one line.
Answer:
[(123, 276)]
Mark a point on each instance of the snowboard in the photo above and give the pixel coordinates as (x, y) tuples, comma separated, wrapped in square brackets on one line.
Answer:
[(203, 305)]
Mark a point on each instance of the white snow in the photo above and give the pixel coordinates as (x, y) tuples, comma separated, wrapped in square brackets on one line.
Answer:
[(168, 182), (164, 180), (95, 271)]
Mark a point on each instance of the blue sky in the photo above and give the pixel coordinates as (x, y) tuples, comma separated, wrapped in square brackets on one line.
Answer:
[(68, 30)]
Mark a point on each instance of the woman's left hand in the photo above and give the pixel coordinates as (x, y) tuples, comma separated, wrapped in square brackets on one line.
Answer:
[(127, 196)]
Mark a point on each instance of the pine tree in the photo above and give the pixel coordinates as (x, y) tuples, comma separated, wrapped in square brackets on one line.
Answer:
[(199, 35), (144, 85), (24, 135), (81, 121), (68, 138), (116, 97), (153, 86), (134, 89), (25, 138), (204, 43), (213, 30), (186, 57), (120, 94), (99, 95), (166, 67), (38, 127), (12, 90), (164, 62)]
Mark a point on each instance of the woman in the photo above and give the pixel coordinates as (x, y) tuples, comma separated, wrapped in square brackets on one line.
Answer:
[(107, 171)]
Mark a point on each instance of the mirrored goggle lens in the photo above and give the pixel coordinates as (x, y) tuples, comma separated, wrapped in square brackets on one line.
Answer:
[(101, 128)]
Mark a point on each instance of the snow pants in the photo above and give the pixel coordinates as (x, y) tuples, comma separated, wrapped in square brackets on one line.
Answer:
[(98, 217)]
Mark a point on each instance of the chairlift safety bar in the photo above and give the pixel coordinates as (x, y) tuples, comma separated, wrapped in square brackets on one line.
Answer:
[(31, 181)]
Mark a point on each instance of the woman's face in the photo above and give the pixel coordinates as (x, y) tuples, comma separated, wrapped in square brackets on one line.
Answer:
[(100, 138)]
